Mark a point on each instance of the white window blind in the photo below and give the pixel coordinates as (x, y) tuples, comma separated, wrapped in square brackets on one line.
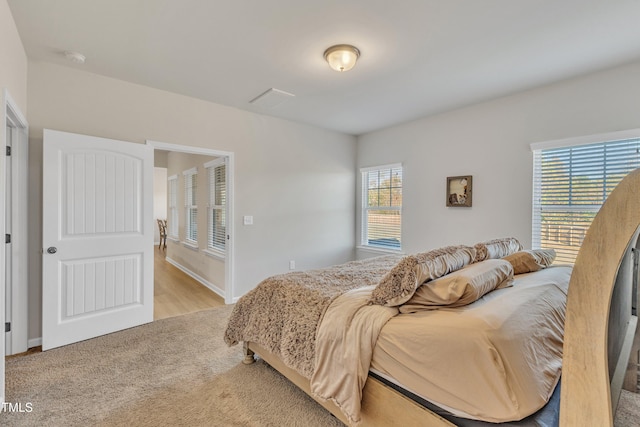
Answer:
[(217, 227), (382, 207), (173, 206), (191, 205), (570, 184)]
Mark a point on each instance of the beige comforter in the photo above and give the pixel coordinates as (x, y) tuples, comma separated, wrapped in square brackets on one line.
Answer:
[(515, 336), (495, 360)]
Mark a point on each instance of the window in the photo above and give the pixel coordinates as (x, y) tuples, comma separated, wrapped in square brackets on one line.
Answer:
[(172, 196), (382, 207), (191, 205), (216, 208), (570, 183)]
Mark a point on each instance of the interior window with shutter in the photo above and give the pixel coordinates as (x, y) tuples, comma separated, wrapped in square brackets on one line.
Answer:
[(172, 196), (570, 184), (216, 208), (191, 205), (382, 207)]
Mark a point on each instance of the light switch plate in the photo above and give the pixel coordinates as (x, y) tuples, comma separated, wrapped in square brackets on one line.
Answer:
[(247, 220)]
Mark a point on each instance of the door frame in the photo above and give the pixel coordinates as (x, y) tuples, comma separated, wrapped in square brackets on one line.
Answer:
[(229, 270), (17, 341), (19, 281)]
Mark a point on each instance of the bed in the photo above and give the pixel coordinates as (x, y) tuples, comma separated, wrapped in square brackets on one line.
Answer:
[(598, 328)]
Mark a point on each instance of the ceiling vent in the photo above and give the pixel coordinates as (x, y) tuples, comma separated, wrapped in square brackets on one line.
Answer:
[(271, 98), (75, 57)]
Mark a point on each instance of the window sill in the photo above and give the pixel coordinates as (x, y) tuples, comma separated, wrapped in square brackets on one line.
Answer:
[(376, 249), (214, 254), (190, 245)]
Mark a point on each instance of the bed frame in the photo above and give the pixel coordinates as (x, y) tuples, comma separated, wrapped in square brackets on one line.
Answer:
[(599, 329)]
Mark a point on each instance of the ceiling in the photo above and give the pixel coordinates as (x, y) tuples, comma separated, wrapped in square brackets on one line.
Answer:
[(418, 57)]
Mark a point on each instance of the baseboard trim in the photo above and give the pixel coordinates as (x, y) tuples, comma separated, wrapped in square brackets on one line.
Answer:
[(196, 277), (34, 342)]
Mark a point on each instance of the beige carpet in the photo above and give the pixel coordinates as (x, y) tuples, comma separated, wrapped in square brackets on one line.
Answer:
[(628, 413), (173, 372)]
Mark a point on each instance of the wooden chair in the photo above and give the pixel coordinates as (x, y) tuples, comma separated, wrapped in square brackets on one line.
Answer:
[(162, 227)]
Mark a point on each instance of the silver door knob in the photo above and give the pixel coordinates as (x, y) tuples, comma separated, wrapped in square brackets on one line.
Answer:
[(52, 250)]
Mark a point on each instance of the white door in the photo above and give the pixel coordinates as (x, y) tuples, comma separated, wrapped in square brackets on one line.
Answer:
[(97, 262)]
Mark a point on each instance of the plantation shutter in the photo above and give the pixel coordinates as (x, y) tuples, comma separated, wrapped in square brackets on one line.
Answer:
[(382, 207), (217, 232), (190, 188), (173, 206), (570, 184)]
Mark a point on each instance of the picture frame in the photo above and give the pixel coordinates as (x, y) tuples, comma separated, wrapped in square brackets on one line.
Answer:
[(459, 191)]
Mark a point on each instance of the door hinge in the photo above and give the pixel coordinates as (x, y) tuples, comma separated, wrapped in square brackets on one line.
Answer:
[(7, 238), (7, 326), (8, 150)]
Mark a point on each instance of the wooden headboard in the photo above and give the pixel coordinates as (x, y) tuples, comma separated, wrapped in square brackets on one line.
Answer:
[(600, 326)]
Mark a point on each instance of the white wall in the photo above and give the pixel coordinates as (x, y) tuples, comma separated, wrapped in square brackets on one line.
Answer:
[(491, 142), (296, 180), (159, 198), (13, 59)]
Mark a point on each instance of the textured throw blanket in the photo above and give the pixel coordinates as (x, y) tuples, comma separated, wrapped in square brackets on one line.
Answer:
[(283, 312)]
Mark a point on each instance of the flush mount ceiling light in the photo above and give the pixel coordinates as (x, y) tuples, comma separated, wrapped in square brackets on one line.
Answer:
[(342, 57), (76, 57)]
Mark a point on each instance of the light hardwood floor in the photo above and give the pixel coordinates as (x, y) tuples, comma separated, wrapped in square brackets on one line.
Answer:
[(176, 293)]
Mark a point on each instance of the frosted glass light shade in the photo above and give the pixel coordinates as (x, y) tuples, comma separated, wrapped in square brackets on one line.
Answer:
[(342, 57)]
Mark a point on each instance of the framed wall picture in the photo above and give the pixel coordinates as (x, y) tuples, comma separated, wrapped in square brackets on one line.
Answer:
[(459, 191)]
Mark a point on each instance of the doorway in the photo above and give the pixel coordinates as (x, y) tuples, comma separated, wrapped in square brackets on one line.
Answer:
[(213, 246)]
